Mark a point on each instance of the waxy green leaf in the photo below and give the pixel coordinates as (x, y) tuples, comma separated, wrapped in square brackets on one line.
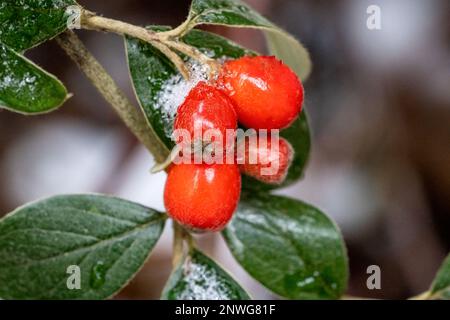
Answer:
[(46, 246), (26, 88), (441, 285), (198, 277), (290, 247), (27, 23), (235, 13)]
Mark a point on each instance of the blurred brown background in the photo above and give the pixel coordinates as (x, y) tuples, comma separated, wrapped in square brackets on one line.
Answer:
[(379, 103)]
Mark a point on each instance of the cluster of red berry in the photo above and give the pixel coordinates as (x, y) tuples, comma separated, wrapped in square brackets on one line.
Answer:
[(259, 93)]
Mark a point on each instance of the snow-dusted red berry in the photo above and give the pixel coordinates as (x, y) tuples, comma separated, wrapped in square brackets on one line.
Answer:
[(206, 108), (268, 163)]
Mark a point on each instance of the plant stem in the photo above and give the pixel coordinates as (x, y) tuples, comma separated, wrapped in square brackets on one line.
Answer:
[(176, 60), (90, 21), (131, 116), (179, 31), (180, 235), (190, 240), (194, 53), (423, 296), (163, 41), (178, 248)]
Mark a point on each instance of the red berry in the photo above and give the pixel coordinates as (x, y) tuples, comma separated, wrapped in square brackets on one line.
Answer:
[(270, 165), (267, 93), (206, 108), (202, 197)]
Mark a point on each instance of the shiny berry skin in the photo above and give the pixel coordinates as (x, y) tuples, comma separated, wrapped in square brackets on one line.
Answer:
[(266, 92), (202, 197), (275, 162), (205, 108)]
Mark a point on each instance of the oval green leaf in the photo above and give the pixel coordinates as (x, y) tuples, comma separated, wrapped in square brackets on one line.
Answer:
[(198, 277), (27, 23), (42, 245), (155, 78), (440, 288), (288, 246), (26, 88), (235, 13)]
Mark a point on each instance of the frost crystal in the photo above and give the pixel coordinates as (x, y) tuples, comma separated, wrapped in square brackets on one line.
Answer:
[(203, 284), (175, 90)]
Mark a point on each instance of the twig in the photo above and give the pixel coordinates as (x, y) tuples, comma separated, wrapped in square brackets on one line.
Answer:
[(176, 60), (166, 163), (90, 21), (178, 248), (180, 235), (131, 116), (194, 53), (179, 31)]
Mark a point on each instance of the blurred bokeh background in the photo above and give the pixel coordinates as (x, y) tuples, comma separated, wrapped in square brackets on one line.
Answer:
[(379, 104)]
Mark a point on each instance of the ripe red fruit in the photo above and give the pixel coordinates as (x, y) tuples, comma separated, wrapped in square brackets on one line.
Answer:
[(269, 165), (267, 93), (202, 197), (206, 108)]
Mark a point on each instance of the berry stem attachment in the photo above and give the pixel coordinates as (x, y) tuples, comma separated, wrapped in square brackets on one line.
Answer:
[(196, 54), (176, 60)]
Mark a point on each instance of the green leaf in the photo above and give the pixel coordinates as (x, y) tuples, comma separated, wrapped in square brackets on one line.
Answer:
[(290, 247), (441, 284), (152, 73), (26, 88), (300, 138), (235, 13), (200, 278), (27, 23), (107, 238)]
